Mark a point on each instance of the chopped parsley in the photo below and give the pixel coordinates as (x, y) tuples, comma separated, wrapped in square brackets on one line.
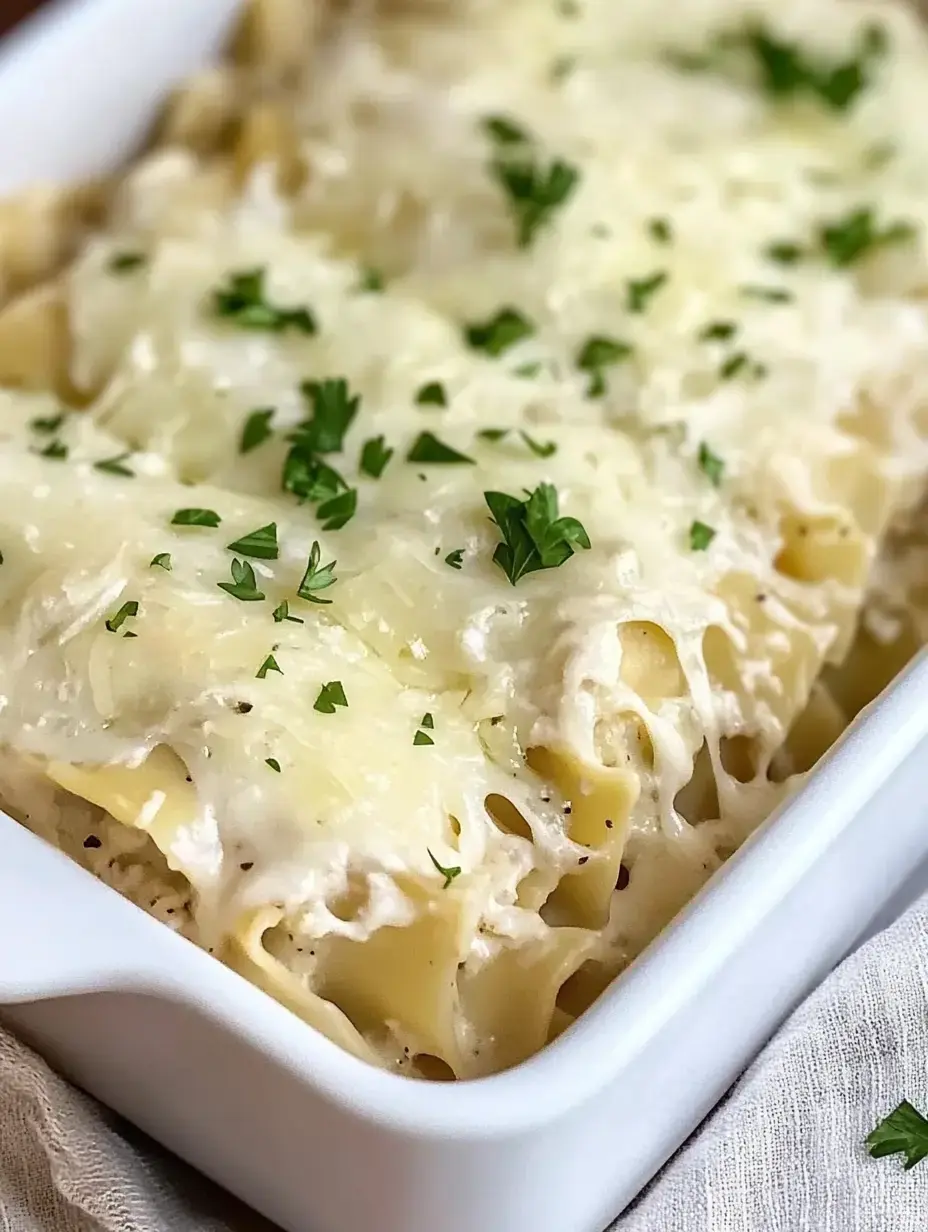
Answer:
[(115, 466), (256, 430), (535, 190), (843, 241), (244, 584), (903, 1132), (639, 291), (282, 613), (269, 665), (493, 434), (784, 252), (455, 559), (338, 510), (47, 424), (56, 450), (534, 535), (308, 477), (375, 455), (273, 763), (428, 448), (718, 331), (243, 300), (597, 353), (541, 449), (701, 536), (432, 394), (317, 577), (741, 362), (130, 608), (660, 230), (499, 333), (126, 262), (333, 409), (162, 560), (449, 874), (196, 517), (421, 738), (710, 464), (427, 721), (260, 543), (330, 696), (505, 131), (769, 295), (371, 279)]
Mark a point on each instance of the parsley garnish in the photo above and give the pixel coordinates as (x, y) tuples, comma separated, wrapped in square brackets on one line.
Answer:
[(710, 464), (125, 262), (330, 696), (308, 477), (534, 190), (786, 70), (273, 763), (493, 434), (499, 333), (845, 240), (269, 665), (115, 466), (718, 331), (257, 429), (375, 455), (455, 559), (260, 543), (660, 230), (597, 353), (769, 295), (504, 131), (162, 560), (50, 424), (244, 585), (639, 291), (316, 577), (131, 608), (428, 448), (541, 449), (427, 721), (701, 536), (243, 301), (421, 738), (784, 252), (741, 362), (432, 394), (282, 613), (334, 513), (534, 536), (449, 874), (333, 411), (371, 279), (196, 517), (903, 1132), (57, 450)]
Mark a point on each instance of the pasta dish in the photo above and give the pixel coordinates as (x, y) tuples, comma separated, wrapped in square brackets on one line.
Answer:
[(458, 481)]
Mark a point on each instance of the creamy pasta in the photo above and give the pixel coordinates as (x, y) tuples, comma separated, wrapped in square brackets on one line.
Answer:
[(443, 478)]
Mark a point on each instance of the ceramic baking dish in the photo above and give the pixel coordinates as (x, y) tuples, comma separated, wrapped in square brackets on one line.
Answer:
[(244, 1090)]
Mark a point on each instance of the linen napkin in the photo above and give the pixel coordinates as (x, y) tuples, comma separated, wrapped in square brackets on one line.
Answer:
[(783, 1152)]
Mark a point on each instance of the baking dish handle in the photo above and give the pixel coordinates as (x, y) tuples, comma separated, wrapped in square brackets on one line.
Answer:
[(48, 949)]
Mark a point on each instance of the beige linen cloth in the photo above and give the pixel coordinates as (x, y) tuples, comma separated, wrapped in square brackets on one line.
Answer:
[(782, 1153)]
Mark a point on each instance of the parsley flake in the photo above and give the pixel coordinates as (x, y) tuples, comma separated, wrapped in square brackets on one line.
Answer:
[(308, 477), (432, 394), (269, 665), (660, 230), (162, 560), (710, 464), (243, 301), (273, 763), (375, 455), (843, 241), (256, 430), (427, 721), (534, 190), (244, 585), (372, 280), (499, 333), (597, 353), (449, 874), (421, 738), (787, 70), (784, 252), (741, 362), (333, 410), (541, 449), (769, 295), (260, 543), (316, 577), (534, 535), (48, 424), (57, 450), (282, 613), (196, 517), (718, 331), (131, 608), (330, 696), (126, 262), (903, 1132), (334, 513), (639, 291), (504, 131), (455, 559), (428, 448), (115, 466), (701, 536)]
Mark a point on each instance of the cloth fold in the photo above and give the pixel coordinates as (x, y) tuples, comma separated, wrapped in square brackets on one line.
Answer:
[(783, 1152)]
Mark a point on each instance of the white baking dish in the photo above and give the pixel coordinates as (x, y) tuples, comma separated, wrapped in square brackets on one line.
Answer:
[(244, 1090)]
